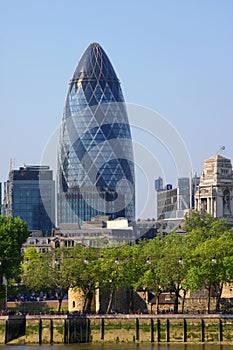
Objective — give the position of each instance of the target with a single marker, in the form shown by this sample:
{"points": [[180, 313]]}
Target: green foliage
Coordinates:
{"points": [[202, 226], [210, 242], [118, 267], [172, 263], [212, 264], [47, 271], [150, 255], [13, 233], [37, 274]]}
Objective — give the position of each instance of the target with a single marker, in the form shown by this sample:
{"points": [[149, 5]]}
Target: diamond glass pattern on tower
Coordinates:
{"points": [[95, 153]]}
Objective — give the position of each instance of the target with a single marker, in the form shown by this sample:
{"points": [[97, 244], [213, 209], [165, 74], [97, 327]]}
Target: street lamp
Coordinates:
{"points": [[156, 288], [86, 261], [180, 261], [214, 260], [117, 262], [113, 287]]}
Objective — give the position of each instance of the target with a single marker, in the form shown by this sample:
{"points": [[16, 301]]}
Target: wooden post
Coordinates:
{"points": [[86, 335], [202, 330], [87, 325], [6, 331], [220, 330], [152, 330], [65, 331], [102, 329], [51, 331], [158, 330], [40, 331], [81, 326], [137, 328], [75, 324], [168, 330], [185, 331], [71, 330]]}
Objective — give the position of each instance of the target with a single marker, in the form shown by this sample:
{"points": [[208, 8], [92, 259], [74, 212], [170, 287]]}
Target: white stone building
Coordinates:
{"points": [[214, 194]]}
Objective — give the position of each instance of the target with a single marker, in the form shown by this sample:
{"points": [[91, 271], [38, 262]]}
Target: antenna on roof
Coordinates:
{"points": [[222, 148], [12, 164]]}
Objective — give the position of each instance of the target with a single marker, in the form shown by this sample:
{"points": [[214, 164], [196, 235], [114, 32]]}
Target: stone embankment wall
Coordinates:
{"points": [[120, 328]]}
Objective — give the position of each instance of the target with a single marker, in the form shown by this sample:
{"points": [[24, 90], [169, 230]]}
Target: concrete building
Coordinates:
{"points": [[172, 202], [214, 194], [30, 194], [97, 232], [167, 203], [36, 240]]}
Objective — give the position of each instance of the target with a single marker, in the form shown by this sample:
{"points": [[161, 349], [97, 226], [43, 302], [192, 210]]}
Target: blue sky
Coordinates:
{"points": [[173, 57]]}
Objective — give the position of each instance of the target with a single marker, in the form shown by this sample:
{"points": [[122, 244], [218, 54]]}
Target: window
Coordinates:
{"points": [[224, 171]]}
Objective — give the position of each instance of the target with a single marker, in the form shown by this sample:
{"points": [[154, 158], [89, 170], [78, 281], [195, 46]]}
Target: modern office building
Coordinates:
{"points": [[166, 202], [159, 184], [215, 191], [172, 203], [95, 154], [30, 194]]}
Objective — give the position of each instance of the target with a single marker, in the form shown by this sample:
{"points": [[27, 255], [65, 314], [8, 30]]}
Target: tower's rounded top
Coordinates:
{"points": [[94, 64]]}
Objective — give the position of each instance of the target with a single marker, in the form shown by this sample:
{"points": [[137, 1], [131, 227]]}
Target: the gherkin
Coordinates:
{"points": [[95, 153]]}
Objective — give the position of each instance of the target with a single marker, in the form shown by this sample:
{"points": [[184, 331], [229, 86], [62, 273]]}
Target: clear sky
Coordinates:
{"points": [[174, 57]]}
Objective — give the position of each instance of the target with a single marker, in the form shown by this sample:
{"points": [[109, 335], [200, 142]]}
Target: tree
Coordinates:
{"points": [[111, 272], [148, 278], [61, 269], [210, 242], [172, 267], [13, 233], [35, 269], [199, 227], [212, 266], [47, 271], [132, 262], [118, 268], [82, 272]]}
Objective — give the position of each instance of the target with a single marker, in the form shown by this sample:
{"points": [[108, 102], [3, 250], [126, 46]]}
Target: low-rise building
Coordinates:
{"points": [[36, 240], [97, 232]]}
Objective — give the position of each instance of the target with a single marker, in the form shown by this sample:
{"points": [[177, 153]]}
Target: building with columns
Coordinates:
{"points": [[214, 194]]}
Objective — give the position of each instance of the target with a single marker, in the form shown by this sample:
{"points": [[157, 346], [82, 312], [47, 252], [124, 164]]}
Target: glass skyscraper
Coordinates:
{"points": [[30, 194], [95, 153]]}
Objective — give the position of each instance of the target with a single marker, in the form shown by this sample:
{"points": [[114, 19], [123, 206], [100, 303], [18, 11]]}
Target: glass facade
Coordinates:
{"points": [[30, 194], [95, 154]]}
